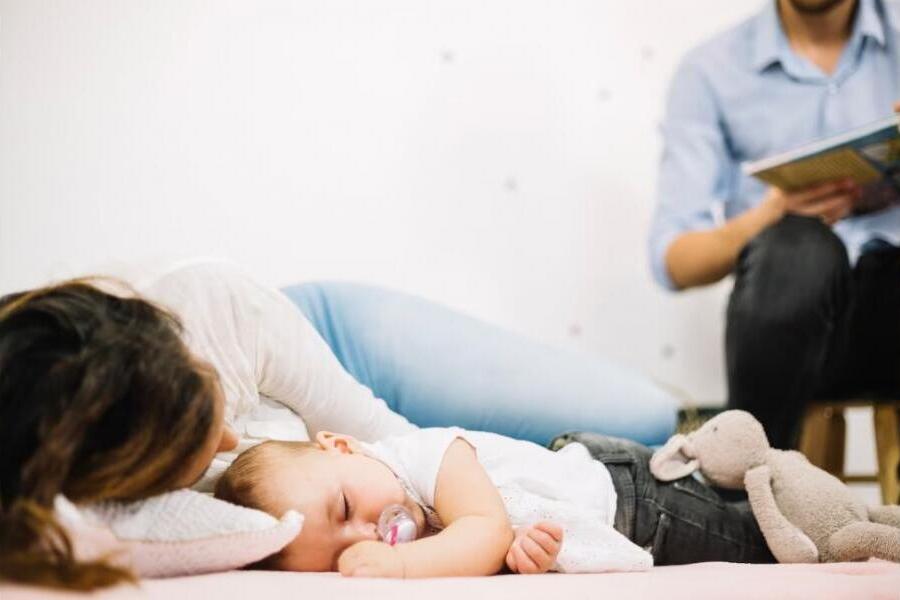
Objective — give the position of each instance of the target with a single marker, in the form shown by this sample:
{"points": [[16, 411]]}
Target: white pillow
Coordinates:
{"points": [[178, 533]]}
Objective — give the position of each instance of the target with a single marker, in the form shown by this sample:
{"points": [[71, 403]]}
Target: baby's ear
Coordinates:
{"points": [[345, 444]]}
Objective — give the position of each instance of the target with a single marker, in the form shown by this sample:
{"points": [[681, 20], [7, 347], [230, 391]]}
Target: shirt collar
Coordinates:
{"points": [[870, 21], [770, 41], [767, 33]]}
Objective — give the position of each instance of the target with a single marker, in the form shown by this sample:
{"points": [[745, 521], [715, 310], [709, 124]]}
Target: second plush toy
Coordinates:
{"points": [[805, 514]]}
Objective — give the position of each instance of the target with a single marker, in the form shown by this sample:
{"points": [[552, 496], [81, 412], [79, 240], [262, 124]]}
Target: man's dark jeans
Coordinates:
{"points": [[682, 521], [803, 325]]}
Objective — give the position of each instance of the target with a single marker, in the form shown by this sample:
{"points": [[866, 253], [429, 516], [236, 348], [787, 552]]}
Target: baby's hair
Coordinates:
{"points": [[240, 483]]}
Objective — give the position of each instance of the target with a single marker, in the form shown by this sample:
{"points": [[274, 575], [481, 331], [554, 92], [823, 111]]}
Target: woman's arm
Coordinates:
{"points": [[260, 343], [474, 542], [296, 367]]}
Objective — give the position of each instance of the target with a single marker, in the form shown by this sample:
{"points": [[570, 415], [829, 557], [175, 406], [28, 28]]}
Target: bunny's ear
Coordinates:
{"points": [[674, 461]]}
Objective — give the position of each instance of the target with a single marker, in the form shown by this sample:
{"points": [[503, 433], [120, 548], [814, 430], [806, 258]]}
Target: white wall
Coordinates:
{"points": [[498, 156]]}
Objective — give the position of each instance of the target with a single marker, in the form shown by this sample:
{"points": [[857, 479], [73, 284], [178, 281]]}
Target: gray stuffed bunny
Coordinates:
{"points": [[805, 514]]}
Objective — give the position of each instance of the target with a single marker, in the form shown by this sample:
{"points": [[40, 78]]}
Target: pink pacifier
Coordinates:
{"points": [[396, 525]]}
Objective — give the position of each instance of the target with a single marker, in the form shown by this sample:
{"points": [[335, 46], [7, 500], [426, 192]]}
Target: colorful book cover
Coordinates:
{"points": [[870, 155]]}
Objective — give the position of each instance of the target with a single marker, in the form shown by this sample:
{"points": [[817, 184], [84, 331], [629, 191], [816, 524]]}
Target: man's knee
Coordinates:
{"points": [[798, 247], [793, 267]]}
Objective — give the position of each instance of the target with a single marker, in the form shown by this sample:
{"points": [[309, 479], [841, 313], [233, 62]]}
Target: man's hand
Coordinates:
{"points": [[535, 548], [370, 559], [830, 202]]}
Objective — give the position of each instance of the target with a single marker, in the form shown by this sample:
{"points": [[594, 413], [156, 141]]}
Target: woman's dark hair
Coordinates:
{"points": [[99, 400]]}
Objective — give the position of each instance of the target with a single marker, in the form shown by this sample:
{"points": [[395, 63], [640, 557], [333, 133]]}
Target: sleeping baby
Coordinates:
{"points": [[478, 502]]}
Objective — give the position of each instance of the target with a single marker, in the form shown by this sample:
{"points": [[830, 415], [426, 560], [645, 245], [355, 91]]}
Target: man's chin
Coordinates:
{"points": [[815, 7]]}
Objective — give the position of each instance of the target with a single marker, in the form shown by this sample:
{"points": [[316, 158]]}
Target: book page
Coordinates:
{"points": [[840, 164]]}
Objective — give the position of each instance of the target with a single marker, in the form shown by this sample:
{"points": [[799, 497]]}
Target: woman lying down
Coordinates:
{"points": [[469, 503]]}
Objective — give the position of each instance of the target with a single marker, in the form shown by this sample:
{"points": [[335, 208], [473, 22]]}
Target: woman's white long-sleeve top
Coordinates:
{"points": [[280, 378]]}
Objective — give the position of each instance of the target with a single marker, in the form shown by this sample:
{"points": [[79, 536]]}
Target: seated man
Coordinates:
{"points": [[815, 309]]}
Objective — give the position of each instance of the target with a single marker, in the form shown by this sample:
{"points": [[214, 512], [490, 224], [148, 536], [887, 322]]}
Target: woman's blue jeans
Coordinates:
{"points": [[438, 367]]}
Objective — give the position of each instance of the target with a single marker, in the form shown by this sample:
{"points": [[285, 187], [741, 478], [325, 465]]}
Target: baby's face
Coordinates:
{"points": [[341, 496]]}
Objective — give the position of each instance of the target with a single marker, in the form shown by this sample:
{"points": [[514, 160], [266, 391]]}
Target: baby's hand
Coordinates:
{"points": [[370, 559], [535, 548]]}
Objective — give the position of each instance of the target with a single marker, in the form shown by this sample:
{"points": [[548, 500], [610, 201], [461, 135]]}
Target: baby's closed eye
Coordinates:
{"points": [[346, 506]]}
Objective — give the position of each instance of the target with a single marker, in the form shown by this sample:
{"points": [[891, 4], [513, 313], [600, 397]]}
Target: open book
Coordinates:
{"points": [[870, 155]]}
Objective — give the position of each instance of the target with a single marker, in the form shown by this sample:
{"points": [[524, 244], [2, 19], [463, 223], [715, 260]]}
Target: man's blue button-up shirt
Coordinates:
{"points": [[745, 95]]}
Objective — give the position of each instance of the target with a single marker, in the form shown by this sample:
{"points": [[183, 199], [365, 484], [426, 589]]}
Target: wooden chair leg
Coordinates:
{"points": [[836, 443], [887, 442], [813, 438], [823, 436]]}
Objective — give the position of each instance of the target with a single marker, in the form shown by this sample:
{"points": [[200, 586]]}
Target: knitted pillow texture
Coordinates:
{"points": [[178, 533]]}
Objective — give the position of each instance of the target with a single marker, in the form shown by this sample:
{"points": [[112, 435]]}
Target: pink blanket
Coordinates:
{"points": [[713, 581]]}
